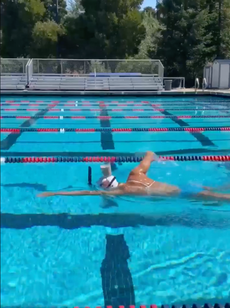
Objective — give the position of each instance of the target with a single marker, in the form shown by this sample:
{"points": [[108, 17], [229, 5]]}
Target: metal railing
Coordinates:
{"points": [[197, 84], [29, 71], [204, 84], [79, 67], [12, 66]]}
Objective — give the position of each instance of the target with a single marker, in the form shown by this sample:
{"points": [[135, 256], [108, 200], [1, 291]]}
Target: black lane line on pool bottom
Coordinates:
{"points": [[107, 142], [12, 138], [198, 151], [117, 283], [204, 140], [71, 222]]}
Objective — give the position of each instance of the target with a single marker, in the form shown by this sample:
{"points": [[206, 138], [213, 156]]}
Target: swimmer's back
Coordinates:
{"points": [[154, 188]]}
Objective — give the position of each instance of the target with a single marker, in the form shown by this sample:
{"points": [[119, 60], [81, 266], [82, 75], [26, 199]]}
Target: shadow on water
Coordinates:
{"points": [[38, 187], [219, 220], [117, 283]]}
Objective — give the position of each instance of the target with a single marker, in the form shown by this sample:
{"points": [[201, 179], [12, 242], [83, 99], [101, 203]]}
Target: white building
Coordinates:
{"points": [[217, 74]]}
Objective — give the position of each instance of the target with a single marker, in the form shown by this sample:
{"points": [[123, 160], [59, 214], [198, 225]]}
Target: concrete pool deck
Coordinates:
{"points": [[173, 92]]}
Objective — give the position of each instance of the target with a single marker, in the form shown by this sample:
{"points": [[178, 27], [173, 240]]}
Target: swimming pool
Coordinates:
{"points": [[68, 251]]}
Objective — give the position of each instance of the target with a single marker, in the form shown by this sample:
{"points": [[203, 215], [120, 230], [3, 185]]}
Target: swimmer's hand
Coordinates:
{"points": [[151, 155]]}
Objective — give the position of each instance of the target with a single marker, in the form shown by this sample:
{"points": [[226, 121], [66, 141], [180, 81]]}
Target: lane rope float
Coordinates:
{"points": [[227, 305], [114, 110], [116, 117], [93, 130], [97, 159], [172, 102], [127, 104]]}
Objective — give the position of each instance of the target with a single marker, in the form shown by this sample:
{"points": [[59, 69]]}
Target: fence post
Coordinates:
{"points": [[27, 72]]}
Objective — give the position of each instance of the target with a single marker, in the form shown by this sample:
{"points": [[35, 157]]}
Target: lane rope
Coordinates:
{"points": [[116, 117], [93, 130], [115, 110], [217, 305], [97, 159], [227, 305], [161, 104], [225, 101]]}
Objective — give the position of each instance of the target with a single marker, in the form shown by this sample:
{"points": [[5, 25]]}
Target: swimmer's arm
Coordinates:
{"points": [[221, 188], [82, 193]]}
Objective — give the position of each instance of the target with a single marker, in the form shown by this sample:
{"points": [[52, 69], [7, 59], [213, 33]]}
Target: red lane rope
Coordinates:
{"points": [[103, 105], [107, 104], [92, 130], [117, 110], [97, 159], [85, 105], [226, 101], [118, 117], [227, 305]]}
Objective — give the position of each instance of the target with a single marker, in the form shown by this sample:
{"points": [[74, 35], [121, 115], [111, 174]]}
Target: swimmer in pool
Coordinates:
{"points": [[139, 184]]}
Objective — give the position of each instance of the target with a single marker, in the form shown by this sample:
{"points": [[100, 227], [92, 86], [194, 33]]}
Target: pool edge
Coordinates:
{"points": [[182, 92]]}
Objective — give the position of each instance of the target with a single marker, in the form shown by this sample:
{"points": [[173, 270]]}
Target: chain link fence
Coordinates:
{"points": [[13, 66], [87, 66]]}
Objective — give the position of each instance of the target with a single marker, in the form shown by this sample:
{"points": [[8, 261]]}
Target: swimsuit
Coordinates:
{"points": [[146, 186], [187, 191]]}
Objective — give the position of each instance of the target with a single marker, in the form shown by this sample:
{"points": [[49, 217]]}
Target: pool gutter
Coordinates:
{"points": [[178, 92]]}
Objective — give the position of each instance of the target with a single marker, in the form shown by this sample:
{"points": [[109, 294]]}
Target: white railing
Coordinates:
{"points": [[197, 84], [79, 67], [13, 66], [29, 71], [204, 84]]}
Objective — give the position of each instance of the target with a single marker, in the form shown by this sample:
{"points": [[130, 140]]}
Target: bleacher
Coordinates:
{"points": [[13, 82], [65, 83], [81, 75]]}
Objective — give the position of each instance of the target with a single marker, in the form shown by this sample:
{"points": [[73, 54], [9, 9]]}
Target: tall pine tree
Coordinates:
{"points": [[186, 43], [106, 29]]}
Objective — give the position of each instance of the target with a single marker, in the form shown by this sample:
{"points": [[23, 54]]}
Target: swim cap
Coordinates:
{"points": [[108, 182]]}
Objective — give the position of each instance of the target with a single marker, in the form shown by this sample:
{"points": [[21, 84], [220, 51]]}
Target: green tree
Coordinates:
{"points": [[75, 8], [150, 10], [223, 47], [186, 44], [106, 29], [18, 19], [149, 45], [55, 10], [45, 39]]}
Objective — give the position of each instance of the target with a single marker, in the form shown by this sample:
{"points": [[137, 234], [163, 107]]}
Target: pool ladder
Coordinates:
{"points": [[197, 84], [204, 84]]}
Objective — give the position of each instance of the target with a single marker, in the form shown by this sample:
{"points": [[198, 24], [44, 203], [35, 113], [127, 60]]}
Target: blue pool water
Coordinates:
{"points": [[68, 251]]}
